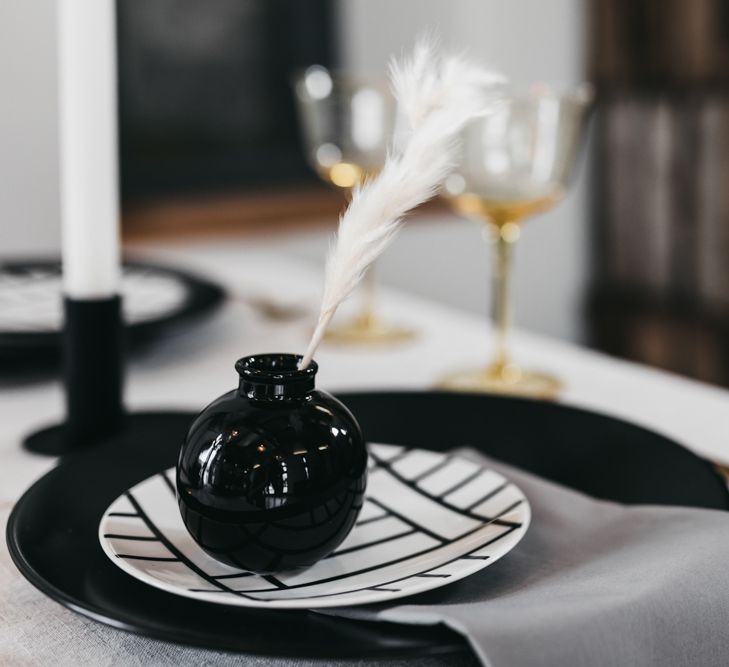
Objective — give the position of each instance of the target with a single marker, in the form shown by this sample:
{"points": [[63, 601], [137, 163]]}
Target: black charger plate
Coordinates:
{"points": [[52, 531], [31, 344]]}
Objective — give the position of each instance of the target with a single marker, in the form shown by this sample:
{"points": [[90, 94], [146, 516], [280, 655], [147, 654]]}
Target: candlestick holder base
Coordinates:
{"points": [[50, 441], [139, 426]]}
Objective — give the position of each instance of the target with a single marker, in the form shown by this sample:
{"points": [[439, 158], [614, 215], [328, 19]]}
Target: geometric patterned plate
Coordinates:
{"points": [[155, 300], [31, 299], [429, 519]]}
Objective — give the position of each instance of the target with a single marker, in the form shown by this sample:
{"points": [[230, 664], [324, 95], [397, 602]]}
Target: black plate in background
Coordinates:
{"points": [[52, 531], [30, 350], [599, 455]]}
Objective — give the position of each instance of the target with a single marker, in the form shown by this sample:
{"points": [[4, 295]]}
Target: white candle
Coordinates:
{"points": [[88, 148]]}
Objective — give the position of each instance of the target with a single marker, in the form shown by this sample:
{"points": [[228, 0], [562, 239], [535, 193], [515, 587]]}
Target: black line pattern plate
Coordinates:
{"points": [[429, 519], [30, 296]]}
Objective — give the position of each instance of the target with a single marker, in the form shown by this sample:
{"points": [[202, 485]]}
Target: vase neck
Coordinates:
{"points": [[275, 377]]}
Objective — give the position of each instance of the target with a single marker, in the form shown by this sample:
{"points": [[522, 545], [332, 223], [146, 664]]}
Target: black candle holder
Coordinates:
{"points": [[92, 378], [93, 373]]}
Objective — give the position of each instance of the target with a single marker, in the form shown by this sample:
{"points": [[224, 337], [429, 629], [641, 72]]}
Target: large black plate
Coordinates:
{"points": [[52, 531], [22, 350]]}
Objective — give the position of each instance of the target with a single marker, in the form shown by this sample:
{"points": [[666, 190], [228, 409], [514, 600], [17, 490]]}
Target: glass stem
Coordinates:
{"points": [[501, 281], [369, 288]]}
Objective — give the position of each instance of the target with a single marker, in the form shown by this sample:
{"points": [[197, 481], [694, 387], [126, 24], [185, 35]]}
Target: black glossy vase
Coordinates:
{"points": [[272, 475]]}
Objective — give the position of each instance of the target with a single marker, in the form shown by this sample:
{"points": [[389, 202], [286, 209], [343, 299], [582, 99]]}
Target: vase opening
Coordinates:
{"points": [[275, 376]]}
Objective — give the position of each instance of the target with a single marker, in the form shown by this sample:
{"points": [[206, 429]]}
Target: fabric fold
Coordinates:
{"points": [[592, 583]]}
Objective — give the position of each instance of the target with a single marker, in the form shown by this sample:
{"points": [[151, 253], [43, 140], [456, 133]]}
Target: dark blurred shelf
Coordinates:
{"points": [[659, 43], [271, 211], [660, 201], [675, 333], [260, 212]]}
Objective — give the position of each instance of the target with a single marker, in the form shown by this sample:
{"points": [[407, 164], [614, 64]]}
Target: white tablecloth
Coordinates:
{"points": [[195, 366]]}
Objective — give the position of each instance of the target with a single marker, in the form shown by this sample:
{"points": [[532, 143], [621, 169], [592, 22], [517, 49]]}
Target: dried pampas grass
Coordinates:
{"points": [[436, 96]]}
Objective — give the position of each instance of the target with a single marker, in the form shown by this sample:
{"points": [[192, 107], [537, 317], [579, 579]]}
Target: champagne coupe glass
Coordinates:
{"points": [[517, 160], [346, 127]]}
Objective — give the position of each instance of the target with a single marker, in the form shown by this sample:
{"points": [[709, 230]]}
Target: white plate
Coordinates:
{"points": [[30, 300], [429, 519]]}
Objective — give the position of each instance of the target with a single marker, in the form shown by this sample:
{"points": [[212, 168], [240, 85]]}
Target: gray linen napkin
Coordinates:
{"points": [[591, 583]]}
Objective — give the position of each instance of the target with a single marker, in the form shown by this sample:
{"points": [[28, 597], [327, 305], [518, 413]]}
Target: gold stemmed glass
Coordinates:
{"points": [[347, 126], [517, 160]]}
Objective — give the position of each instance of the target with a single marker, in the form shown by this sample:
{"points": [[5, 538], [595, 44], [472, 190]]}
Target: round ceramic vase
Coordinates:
{"points": [[272, 475]]}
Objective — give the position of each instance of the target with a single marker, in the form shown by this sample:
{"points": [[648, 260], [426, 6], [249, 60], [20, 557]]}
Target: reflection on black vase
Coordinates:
{"points": [[272, 475]]}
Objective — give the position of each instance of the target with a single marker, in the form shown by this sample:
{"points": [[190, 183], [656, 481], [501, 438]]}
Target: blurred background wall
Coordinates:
{"points": [[441, 257], [29, 216]]}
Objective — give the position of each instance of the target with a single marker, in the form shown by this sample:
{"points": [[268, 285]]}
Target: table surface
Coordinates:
{"points": [[196, 365]]}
